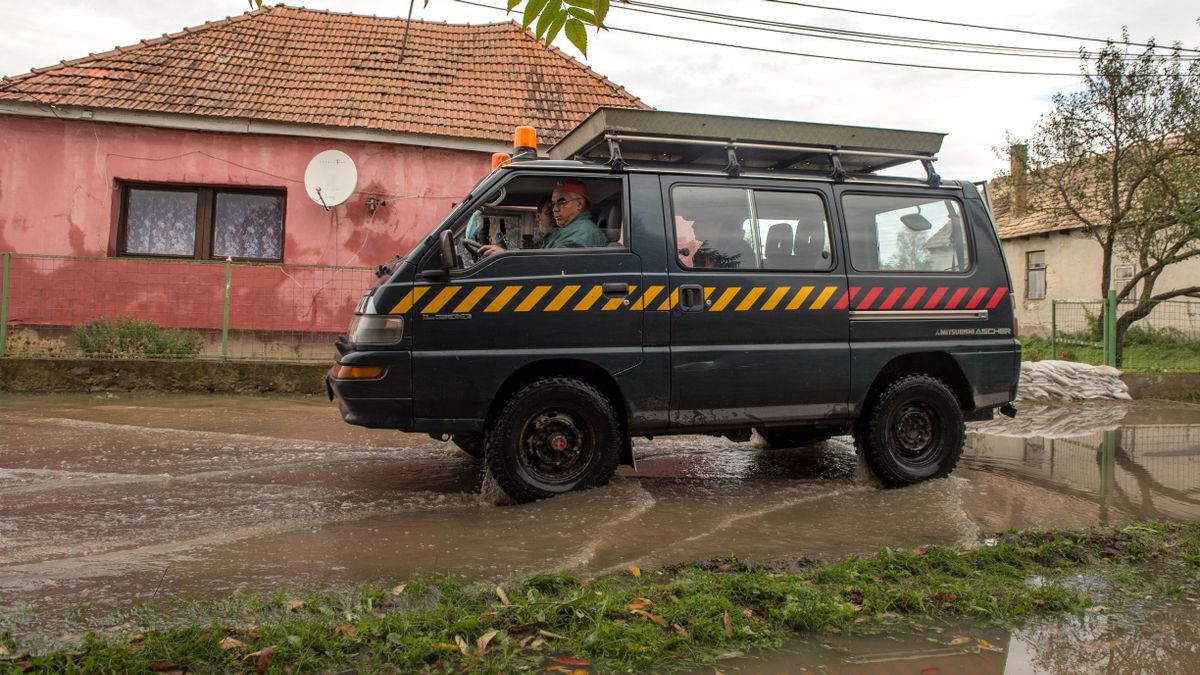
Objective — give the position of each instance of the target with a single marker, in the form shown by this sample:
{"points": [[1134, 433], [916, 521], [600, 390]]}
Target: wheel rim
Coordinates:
{"points": [[555, 448], [914, 431]]}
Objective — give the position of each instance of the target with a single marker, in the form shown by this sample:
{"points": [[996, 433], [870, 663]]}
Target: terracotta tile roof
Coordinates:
{"points": [[294, 65], [1009, 225]]}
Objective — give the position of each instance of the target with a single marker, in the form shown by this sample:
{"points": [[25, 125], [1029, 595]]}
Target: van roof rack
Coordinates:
{"points": [[619, 136]]}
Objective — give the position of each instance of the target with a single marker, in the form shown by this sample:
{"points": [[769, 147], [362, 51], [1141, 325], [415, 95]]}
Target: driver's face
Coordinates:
{"points": [[567, 205]]}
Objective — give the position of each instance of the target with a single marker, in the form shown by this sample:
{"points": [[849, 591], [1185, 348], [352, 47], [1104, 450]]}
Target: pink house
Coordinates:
{"points": [[129, 178]]}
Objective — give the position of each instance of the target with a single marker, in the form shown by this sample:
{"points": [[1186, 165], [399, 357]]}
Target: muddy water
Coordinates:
{"points": [[118, 500]]}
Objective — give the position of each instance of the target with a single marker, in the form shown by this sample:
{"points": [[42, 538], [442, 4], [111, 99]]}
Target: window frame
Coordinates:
{"points": [[968, 235], [205, 227], [1030, 269], [748, 191]]}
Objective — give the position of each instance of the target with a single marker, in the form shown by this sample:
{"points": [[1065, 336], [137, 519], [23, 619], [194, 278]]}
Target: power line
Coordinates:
{"points": [[819, 32], [966, 25], [767, 50]]}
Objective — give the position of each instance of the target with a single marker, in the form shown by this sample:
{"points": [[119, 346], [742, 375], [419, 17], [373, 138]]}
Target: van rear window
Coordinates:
{"points": [[897, 233]]}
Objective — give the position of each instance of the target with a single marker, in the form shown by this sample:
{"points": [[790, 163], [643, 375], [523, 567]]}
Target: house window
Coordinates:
{"points": [[1035, 275], [1122, 275], [201, 222]]}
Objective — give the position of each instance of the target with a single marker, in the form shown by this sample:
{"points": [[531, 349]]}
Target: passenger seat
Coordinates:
{"points": [[607, 215], [777, 253]]}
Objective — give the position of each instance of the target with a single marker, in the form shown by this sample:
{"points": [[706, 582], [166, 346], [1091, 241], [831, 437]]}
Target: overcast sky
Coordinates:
{"points": [[974, 109]]}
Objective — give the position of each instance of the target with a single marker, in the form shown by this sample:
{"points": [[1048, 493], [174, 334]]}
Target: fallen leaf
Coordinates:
{"points": [[889, 615], [920, 551], [502, 595], [639, 603], [984, 644], [558, 669], [537, 644], [960, 641], [160, 666], [861, 619], [731, 655], [674, 600], [462, 645], [346, 629], [555, 636], [264, 657], [748, 613], [579, 671], [526, 640], [486, 639], [295, 605], [635, 571], [230, 643], [650, 616], [255, 632], [572, 661], [1039, 602], [399, 589], [728, 624], [445, 647], [137, 637], [681, 631]]}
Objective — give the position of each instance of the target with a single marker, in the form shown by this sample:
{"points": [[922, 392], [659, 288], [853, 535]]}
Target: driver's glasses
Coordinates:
{"points": [[559, 203]]}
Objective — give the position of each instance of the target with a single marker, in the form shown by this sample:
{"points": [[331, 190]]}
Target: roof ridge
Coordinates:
{"points": [[386, 18]]}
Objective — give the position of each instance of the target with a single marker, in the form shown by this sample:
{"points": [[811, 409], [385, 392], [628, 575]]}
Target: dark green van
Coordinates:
{"points": [[752, 275]]}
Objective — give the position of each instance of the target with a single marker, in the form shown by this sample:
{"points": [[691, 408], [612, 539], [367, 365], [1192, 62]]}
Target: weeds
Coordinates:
{"points": [[123, 337], [670, 617]]}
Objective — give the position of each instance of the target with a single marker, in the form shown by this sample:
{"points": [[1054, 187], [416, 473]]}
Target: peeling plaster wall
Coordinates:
{"points": [[58, 184]]}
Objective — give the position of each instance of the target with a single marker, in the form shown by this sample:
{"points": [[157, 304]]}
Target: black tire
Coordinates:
{"points": [[470, 443], [913, 431], [553, 436], [792, 437]]}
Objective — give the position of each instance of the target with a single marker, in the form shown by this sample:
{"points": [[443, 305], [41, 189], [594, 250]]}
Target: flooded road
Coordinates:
{"points": [[126, 499]]}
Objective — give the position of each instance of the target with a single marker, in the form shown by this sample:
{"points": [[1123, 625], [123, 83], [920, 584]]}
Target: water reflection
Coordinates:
{"points": [[1129, 470]]}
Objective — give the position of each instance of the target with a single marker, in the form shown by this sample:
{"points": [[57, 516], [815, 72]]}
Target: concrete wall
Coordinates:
{"points": [[1073, 272]]}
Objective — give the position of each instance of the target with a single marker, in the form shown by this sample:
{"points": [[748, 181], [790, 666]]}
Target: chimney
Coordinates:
{"points": [[1018, 160]]}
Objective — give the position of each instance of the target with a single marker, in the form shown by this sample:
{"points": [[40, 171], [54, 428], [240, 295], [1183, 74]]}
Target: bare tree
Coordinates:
{"points": [[1121, 158]]}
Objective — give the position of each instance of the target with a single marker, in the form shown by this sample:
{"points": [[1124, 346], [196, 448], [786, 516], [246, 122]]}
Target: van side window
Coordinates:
{"points": [[739, 228], [894, 233]]}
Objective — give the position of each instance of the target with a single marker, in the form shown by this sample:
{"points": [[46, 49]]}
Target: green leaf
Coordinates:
{"points": [[583, 15], [511, 4], [601, 11], [532, 9], [585, 4], [555, 27], [577, 34], [549, 13]]}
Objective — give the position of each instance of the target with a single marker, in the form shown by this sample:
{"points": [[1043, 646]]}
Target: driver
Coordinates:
{"points": [[569, 204]]}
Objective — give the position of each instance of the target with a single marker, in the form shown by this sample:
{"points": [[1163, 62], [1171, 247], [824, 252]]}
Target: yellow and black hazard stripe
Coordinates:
{"points": [[489, 299]]}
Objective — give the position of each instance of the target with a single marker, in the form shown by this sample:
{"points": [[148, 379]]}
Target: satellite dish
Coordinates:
{"points": [[330, 178]]}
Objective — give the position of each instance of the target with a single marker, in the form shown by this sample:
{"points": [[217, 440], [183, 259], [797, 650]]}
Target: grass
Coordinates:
{"points": [[1138, 356], [635, 621]]}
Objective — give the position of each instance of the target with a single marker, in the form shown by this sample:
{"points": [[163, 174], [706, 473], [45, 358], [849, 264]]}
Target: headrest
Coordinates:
{"points": [[779, 239]]}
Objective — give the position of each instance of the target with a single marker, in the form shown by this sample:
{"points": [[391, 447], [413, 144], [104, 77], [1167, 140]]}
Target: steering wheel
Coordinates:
{"points": [[472, 246]]}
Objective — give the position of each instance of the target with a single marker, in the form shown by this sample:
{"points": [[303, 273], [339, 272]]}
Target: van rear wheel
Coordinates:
{"points": [[553, 436], [913, 432]]}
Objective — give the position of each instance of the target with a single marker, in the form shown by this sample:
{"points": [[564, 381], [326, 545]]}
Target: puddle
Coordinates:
{"points": [[118, 501], [1152, 640]]}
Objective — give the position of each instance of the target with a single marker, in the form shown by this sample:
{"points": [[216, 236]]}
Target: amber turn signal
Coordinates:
{"points": [[499, 159], [525, 137], [358, 372]]}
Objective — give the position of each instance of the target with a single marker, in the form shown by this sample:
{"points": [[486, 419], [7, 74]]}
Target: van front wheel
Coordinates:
{"points": [[913, 432], [552, 436]]}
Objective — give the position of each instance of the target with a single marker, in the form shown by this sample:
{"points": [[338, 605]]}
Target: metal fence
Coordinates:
{"points": [[1168, 339], [57, 306]]}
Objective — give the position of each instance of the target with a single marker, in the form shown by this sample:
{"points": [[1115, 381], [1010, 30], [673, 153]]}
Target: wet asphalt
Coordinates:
{"points": [[112, 500]]}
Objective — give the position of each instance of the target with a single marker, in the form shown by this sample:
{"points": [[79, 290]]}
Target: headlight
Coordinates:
{"points": [[371, 330]]}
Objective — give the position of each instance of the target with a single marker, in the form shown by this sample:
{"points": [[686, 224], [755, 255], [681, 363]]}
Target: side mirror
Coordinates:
{"points": [[450, 259], [916, 222]]}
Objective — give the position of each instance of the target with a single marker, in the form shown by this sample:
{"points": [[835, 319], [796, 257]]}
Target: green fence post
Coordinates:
{"points": [[1110, 329], [225, 318], [1054, 330], [4, 305]]}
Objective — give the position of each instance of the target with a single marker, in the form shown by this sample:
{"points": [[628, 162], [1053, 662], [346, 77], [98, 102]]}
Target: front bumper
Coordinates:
{"points": [[381, 403]]}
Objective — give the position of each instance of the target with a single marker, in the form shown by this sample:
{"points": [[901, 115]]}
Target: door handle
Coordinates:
{"points": [[691, 298], [616, 288]]}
